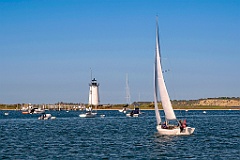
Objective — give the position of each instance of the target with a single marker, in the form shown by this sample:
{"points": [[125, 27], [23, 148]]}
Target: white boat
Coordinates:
{"points": [[26, 110], [171, 126], [88, 114], [6, 113], [124, 109], [46, 117], [134, 113], [31, 110], [131, 114], [38, 111]]}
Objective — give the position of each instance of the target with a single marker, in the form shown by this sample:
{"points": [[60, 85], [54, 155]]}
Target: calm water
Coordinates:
{"points": [[217, 136]]}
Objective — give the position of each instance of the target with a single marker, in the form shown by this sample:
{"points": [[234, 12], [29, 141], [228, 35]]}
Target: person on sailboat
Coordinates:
{"points": [[164, 125], [180, 125], [183, 124]]}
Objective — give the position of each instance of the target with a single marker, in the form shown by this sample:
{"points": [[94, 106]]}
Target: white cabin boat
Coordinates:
{"points": [[38, 111], [134, 113], [88, 114]]}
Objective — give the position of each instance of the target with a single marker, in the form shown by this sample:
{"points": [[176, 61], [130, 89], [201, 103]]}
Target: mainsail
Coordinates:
{"points": [[159, 81], [155, 97]]}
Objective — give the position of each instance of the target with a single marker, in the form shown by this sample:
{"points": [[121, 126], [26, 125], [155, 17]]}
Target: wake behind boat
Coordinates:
{"points": [[166, 128]]}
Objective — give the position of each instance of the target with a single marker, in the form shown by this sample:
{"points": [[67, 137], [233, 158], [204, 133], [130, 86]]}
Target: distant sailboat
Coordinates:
{"points": [[128, 101], [175, 127]]}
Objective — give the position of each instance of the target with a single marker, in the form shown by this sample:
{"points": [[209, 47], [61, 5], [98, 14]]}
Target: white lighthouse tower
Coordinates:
{"points": [[94, 93]]}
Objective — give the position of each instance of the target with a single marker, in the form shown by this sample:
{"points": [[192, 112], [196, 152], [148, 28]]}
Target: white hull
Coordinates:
{"points": [[88, 115], [38, 111], [134, 115], [46, 117], [175, 131]]}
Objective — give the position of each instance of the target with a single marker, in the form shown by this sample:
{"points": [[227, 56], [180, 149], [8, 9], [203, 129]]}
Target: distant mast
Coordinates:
{"points": [[94, 93], [128, 97]]}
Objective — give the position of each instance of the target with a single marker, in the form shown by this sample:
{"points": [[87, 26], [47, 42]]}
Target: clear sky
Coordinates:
{"points": [[47, 48]]}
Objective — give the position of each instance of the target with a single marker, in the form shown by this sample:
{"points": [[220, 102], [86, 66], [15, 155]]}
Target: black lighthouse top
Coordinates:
{"points": [[94, 82]]}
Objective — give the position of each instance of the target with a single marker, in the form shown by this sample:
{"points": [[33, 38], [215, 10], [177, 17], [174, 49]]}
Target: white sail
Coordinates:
{"points": [[155, 97], [167, 106]]}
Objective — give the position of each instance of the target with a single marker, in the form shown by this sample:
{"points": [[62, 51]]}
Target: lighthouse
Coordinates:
{"points": [[93, 93]]}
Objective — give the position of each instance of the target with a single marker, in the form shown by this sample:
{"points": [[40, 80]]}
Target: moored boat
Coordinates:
{"points": [[46, 117]]}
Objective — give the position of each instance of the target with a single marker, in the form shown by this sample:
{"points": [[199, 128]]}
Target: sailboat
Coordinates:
{"points": [[125, 107], [171, 126]]}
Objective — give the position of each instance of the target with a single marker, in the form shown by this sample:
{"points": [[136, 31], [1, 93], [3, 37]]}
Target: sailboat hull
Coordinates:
{"points": [[87, 115], [175, 131]]}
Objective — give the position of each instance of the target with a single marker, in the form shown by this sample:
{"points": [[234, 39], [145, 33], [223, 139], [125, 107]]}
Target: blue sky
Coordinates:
{"points": [[48, 47]]}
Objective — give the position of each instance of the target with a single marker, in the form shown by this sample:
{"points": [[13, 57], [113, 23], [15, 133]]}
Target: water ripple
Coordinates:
{"points": [[117, 137]]}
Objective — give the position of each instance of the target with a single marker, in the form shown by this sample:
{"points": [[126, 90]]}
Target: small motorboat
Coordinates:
{"points": [[46, 117], [134, 113], [88, 114], [37, 111]]}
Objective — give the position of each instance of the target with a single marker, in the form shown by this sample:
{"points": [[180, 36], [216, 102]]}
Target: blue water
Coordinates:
{"points": [[217, 136]]}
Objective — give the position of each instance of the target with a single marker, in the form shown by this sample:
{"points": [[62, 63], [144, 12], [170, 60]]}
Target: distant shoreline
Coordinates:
{"points": [[220, 103]]}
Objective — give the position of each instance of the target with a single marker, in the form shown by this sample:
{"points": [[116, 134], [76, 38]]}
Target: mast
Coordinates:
{"points": [[158, 118], [128, 97]]}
